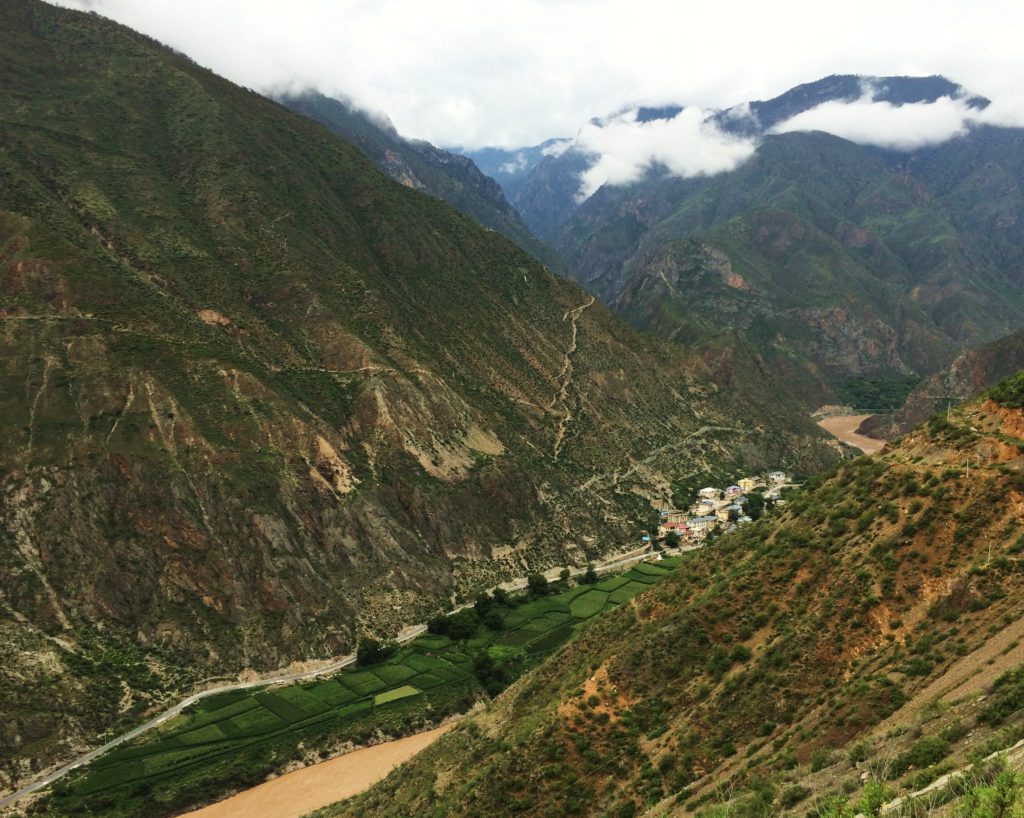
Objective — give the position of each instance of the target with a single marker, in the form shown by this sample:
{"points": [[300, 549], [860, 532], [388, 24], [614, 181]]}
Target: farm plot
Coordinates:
{"points": [[589, 604], [244, 735]]}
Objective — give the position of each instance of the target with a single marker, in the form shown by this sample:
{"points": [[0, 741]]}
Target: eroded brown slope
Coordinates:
{"points": [[763, 672]]}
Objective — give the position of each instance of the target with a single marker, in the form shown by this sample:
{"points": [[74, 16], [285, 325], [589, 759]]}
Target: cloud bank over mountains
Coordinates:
{"points": [[688, 144], [869, 121], [693, 142], [461, 72]]}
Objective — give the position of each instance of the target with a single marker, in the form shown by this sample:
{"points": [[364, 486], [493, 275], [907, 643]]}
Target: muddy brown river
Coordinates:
{"points": [[297, 793]]}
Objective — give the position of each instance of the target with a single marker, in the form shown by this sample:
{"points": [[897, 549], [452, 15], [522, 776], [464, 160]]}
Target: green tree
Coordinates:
{"points": [[498, 666], [372, 651], [672, 539], [494, 620], [590, 575], [537, 584], [483, 603]]}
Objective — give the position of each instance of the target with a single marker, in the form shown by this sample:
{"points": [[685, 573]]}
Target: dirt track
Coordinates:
{"points": [[303, 791], [845, 428]]}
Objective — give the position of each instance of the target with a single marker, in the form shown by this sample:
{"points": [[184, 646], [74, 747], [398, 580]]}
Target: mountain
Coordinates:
{"points": [[530, 189], [854, 269], [418, 164], [257, 397], [971, 373], [853, 647], [510, 168], [761, 116]]}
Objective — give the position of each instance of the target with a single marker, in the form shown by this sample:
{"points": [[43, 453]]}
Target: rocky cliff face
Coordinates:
{"points": [[256, 396], [971, 373]]}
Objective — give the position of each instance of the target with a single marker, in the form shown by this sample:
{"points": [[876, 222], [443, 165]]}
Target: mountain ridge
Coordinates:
{"points": [[260, 398], [418, 164], [845, 261]]}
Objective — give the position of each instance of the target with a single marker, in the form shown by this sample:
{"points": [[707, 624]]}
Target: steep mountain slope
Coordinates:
{"points": [[838, 262], [256, 395], [848, 639], [970, 374], [420, 165]]}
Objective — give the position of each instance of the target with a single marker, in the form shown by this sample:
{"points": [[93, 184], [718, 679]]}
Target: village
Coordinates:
{"points": [[723, 509]]}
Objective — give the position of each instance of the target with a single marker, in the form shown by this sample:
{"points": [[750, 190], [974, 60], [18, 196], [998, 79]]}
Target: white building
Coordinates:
{"points": [[702, 525]]}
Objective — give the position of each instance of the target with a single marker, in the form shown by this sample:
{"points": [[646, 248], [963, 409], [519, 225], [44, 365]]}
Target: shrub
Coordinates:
{"points": [[371, 651]]}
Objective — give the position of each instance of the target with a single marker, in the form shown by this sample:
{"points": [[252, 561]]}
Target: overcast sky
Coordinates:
{"points": [[477, 72]]}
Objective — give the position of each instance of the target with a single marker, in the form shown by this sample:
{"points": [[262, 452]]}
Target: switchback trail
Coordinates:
{"points": [[565, 376]]}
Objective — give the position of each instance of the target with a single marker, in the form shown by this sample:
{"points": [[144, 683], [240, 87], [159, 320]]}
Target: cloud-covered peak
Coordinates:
{"points": [[894, 113], [626, 147]]}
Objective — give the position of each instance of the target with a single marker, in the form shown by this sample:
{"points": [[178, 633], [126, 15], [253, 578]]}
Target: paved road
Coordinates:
{"points": [[405, 636]]}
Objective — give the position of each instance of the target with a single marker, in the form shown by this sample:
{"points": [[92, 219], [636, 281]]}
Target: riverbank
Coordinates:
{"points": [[298, 793], [844, 427]]}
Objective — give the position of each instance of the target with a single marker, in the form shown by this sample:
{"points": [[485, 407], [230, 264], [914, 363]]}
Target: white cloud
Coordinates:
{"points": [[686, 145], [868, 121], [557, 147], [514, 165], [516, 73]]}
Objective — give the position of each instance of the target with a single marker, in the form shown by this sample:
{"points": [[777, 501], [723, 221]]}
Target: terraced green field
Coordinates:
{"points": [[235, 739]]}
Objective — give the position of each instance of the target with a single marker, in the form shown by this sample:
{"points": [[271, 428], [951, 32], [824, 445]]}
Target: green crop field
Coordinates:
{"points": [[235, 739], [589, 604], [396, 694]]}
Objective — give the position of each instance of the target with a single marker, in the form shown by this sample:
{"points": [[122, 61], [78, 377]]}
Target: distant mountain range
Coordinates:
{"points": [[832, 261]]}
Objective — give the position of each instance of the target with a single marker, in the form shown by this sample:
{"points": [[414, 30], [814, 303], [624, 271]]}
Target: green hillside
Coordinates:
{"points": [[850, 270], [258, 397], [851, 650], [420, 165], [818, 250]]}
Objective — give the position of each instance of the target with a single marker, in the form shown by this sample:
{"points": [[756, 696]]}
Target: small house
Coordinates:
{"points": [[709, 493], [777, 478], [748, 483], [731, 510], [701, 525]]}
